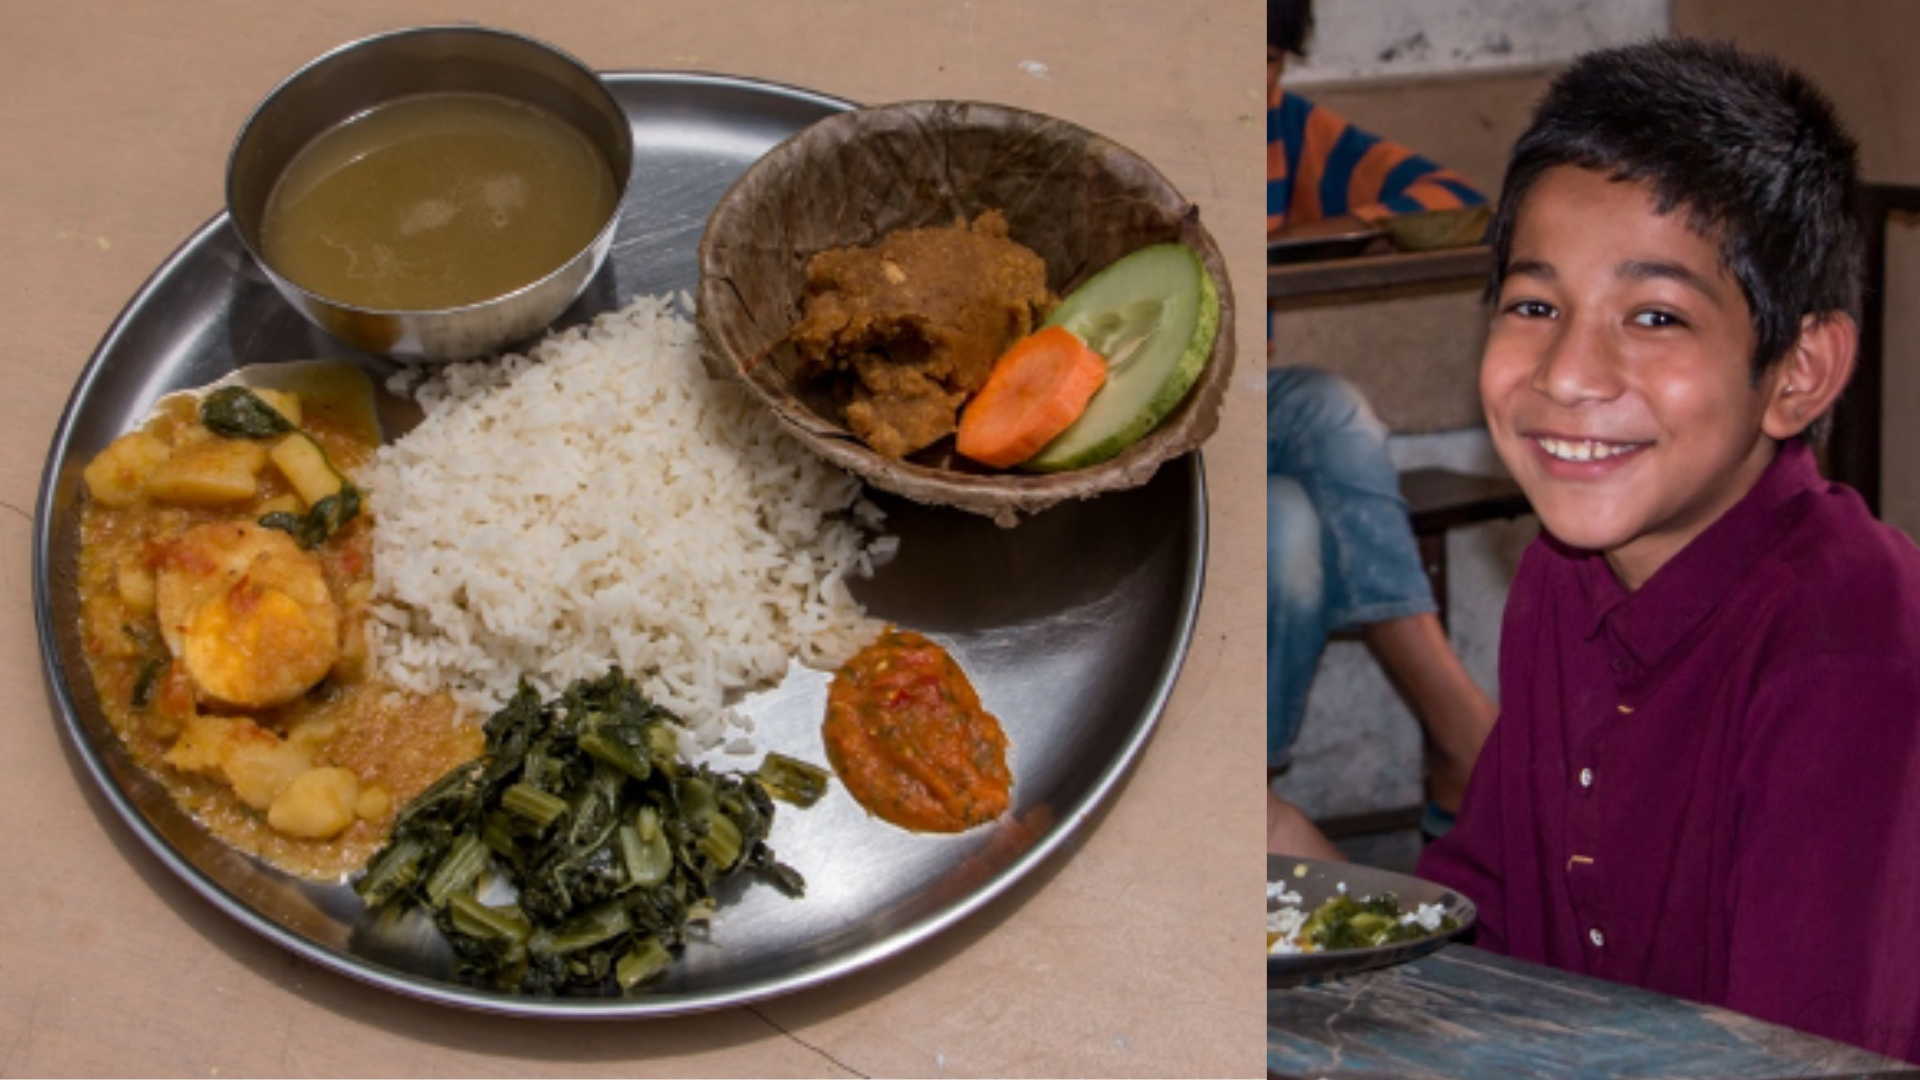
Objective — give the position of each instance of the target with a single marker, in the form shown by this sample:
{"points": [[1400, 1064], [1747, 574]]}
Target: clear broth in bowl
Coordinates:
{"points": [[436, 201]]}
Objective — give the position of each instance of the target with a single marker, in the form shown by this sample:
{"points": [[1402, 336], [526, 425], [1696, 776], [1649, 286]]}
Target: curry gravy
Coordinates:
{"points": [[394, 743]]}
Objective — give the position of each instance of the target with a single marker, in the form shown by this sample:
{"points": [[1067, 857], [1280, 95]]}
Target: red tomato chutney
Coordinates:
{"points": [[907, 735]]}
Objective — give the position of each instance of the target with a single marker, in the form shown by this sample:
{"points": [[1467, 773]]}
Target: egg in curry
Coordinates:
{"points": [[225, 574]]}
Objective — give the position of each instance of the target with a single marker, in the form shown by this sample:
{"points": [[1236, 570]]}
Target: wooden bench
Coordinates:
{"points": [[1441, 500]]}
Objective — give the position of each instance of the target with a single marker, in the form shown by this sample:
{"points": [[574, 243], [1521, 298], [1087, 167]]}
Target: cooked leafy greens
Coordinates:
{"points": [[791, 780], [235, 412], [1346, 923], [321, 520], [145, 682], [614, 844]]}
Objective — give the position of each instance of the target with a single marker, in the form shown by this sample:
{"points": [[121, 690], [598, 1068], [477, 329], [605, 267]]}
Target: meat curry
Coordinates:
{"points": [[905, 331]]}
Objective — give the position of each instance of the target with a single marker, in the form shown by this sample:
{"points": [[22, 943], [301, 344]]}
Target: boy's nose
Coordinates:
{"points": [[1579, 364]]}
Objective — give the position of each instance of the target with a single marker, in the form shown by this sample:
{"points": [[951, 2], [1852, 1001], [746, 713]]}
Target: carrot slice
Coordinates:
{"points": [[1036, 390]]}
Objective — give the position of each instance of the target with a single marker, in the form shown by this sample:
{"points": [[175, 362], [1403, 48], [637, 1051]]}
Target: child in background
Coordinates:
{"points": [[1323, 174], [1706, 775], [1340, 550]]}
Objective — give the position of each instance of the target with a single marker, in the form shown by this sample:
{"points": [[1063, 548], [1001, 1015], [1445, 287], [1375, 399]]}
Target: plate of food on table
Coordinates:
{"points": [[1326, 919], [750, 567]]}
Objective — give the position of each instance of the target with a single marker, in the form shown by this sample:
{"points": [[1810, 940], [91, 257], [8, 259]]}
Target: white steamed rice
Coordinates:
{"points": [[601, 500]]}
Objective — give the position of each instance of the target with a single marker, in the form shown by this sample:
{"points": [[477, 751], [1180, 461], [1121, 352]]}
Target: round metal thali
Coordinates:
{"points": [[1073, 625]]}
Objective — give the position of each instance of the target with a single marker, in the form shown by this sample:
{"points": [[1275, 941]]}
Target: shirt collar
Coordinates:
{"points": [[1649, 622]]}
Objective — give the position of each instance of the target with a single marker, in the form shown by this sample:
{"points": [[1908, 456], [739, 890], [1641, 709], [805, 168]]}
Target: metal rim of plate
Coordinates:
{"points": [[704, 128], [1318, 881]]}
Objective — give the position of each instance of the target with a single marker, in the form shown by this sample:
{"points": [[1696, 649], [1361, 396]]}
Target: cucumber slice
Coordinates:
{"points": [[1153, 314]]}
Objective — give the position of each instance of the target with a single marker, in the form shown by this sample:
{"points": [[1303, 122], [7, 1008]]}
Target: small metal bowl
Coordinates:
{"points": [[361, 75]]}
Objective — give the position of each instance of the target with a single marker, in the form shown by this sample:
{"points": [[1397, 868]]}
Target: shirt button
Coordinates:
{"points": [[1586, 778], [1599, 939]]}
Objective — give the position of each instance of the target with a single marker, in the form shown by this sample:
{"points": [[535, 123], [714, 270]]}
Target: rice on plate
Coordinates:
{"points": [[601, 500]]}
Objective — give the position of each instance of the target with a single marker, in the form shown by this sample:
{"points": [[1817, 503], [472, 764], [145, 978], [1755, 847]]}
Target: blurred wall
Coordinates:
{"points": [[1862, 53], [1389, 38]]}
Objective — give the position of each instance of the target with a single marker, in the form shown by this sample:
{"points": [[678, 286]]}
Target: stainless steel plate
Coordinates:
{"points": [[1317, 882], [1073, 626]]}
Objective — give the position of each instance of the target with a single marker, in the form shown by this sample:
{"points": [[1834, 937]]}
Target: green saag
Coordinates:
{"points": [[613, 844], [1346, 923], [321, 520], [235, 412]]}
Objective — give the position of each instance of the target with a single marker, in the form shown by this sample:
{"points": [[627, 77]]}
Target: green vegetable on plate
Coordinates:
{"points": [[609, 843], [1348, 923], [235, 412]]}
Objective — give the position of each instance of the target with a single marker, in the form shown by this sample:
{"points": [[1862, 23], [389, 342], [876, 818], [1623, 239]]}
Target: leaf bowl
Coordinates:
{"points": [[1077, 199]]}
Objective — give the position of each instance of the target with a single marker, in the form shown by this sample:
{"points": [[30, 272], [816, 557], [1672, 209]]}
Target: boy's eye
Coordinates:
{"points": [[1531, 309], [1657, 319]]}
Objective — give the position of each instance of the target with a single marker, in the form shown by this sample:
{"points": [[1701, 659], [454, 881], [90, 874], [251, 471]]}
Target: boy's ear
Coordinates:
{"points": [[1806, 383]]}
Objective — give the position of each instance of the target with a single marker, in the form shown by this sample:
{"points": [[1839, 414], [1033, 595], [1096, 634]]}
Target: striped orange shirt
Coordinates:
{"points": [[1320, 166]]}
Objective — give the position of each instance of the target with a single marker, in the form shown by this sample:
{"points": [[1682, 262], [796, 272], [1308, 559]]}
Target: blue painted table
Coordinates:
{"points": [[1466, 1014]]}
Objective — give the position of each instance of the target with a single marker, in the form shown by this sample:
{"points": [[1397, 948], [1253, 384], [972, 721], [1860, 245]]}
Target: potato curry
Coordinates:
{"points": [[225, 573]]}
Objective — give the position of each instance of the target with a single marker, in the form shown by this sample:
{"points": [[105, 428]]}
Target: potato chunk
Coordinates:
{"points": [[258, 764], [280, 504], [317, 805], [284, 402], [133, 580], [117, 476], [374, 803], [247, 612], [214, 472], [305, 466]]}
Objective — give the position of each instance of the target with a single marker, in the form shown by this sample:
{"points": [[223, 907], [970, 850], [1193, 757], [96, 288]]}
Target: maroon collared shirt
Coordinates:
{"points": [[1710, 787]]}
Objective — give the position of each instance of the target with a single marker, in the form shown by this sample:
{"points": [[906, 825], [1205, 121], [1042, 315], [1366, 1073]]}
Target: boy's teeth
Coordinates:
{"points": [[1583, 449]]}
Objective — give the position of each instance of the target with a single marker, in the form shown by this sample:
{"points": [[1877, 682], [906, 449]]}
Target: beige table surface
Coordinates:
{"points": [[1130, 953]]}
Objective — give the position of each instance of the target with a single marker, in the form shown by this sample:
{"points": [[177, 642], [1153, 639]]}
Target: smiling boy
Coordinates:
{"points": [[1705, 779]]}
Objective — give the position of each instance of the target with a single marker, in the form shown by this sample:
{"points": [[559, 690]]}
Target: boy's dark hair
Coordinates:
{"points": [[1289, 25], [1751, 150]]}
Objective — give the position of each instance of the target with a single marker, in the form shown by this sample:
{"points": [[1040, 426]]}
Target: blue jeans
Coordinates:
{"points": [[1340, 551]]}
